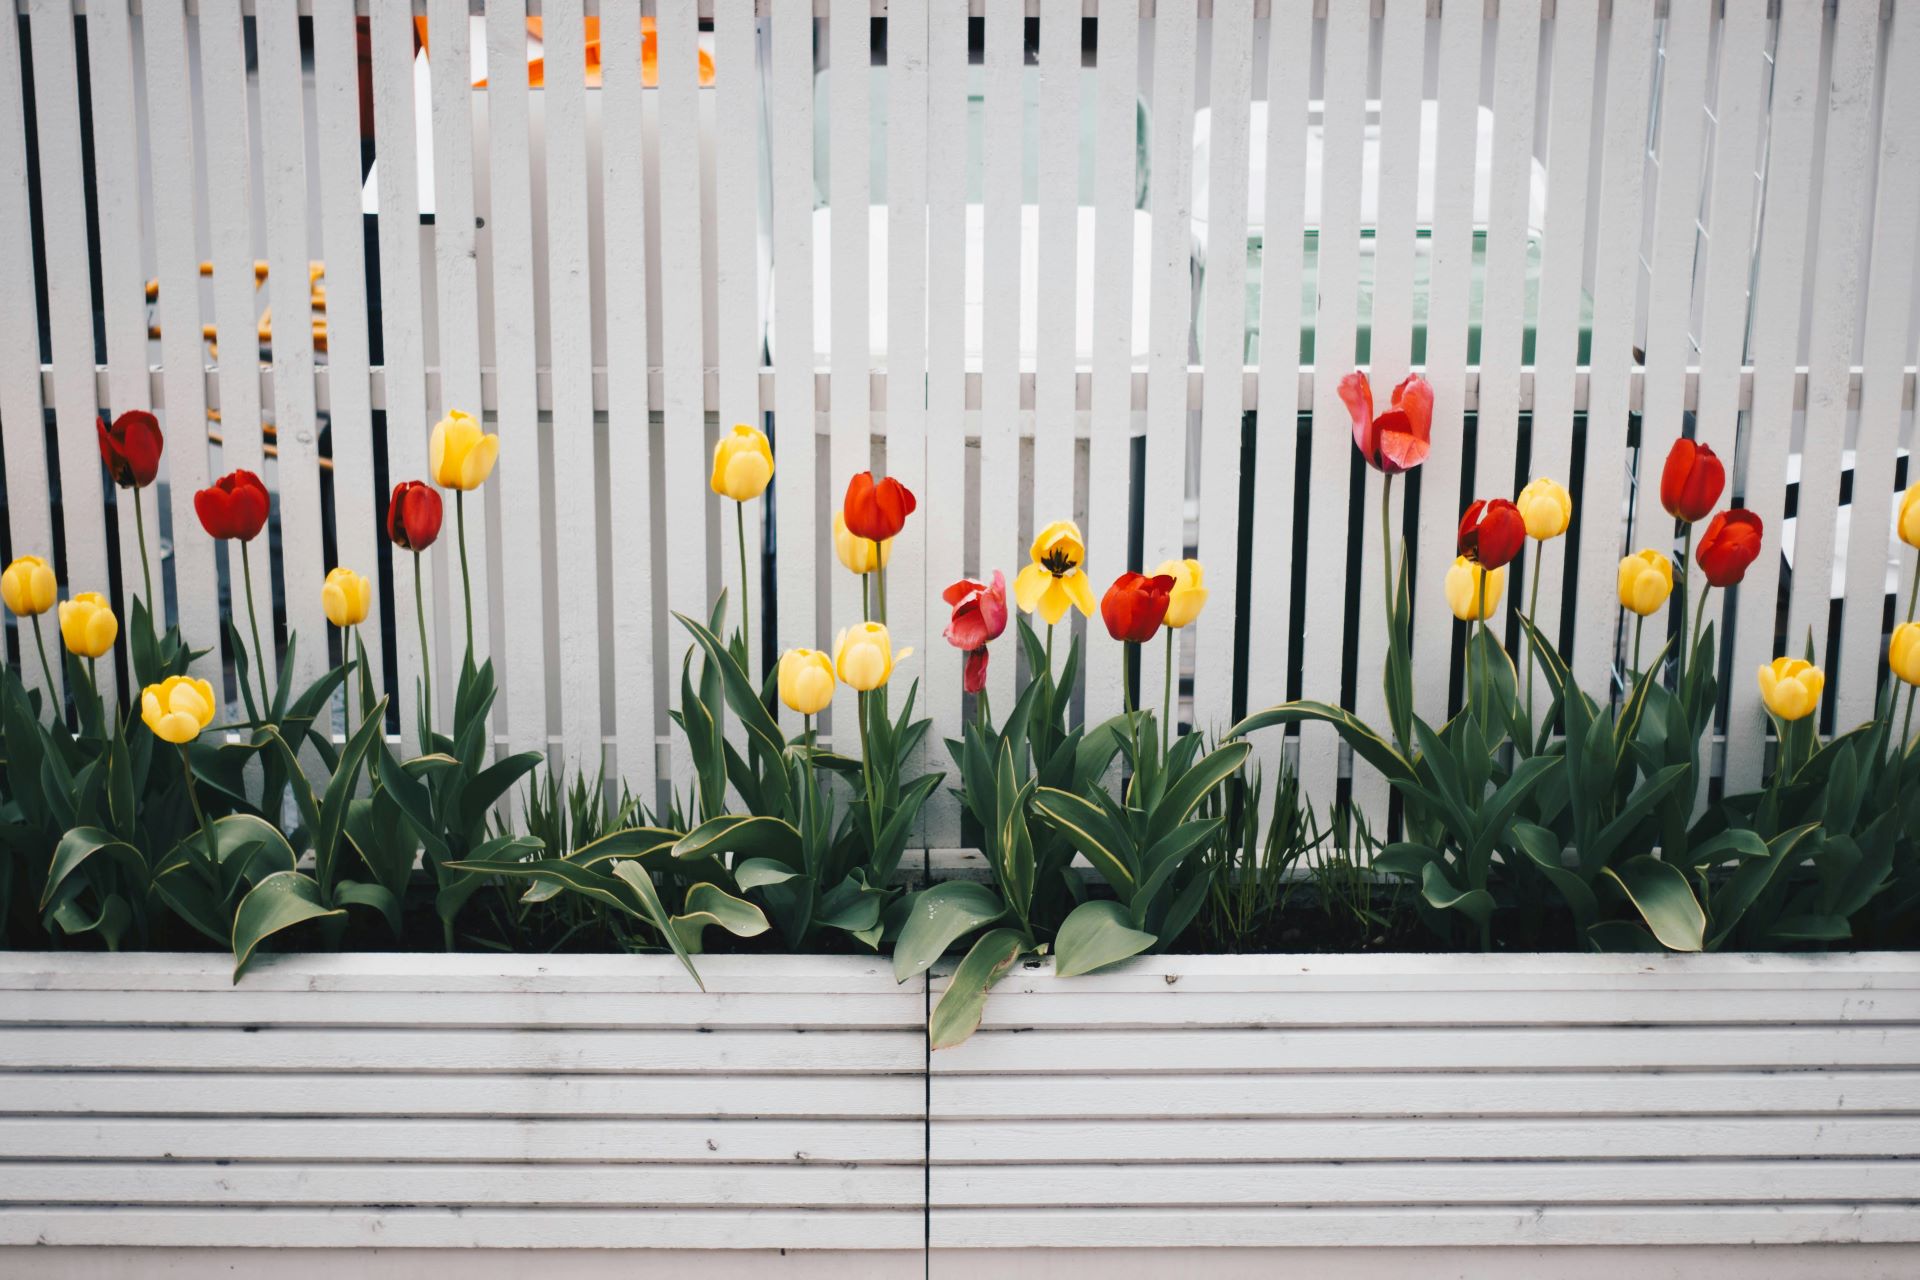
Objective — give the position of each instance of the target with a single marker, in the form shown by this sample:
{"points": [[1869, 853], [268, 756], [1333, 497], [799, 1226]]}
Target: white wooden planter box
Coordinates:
{"points": [[1522, 1115]]}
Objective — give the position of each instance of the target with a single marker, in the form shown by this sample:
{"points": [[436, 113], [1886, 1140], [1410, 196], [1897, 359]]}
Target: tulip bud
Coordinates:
{"points": [[1547, 508], [1135, 606], [1465, 591], [742, 464], [1189, 595], [1646, 580], [459, 454], [806, 681], [87, 625], [877, 509], [1691, 481], [234, 506], [1492, 533], [1909, 522], [1791, 687], [1903, 652], [863, 656], [131, 448], [177, 708], [346, 596], [861, 555], [979, 613], [1397, 440], [1730, 544], [413, 516], [28, 586]]}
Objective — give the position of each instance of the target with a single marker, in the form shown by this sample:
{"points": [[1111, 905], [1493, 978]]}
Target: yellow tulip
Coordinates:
{"points": [[346, 596], [1189, 594], [87, 624], [28, 586], [1547, 508], [177, 708], [806, 681], [1646, 580], [864, 658], [862, 555], [1791, 687], [742, 464], [1463, 587], [1055, 579], [1903, 652], [460, 455], [1910, 515]]}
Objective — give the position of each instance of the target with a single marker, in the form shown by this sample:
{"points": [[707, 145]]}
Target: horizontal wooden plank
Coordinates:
{"points": [[1843, 1223], [1462, 1049], [1425, 1182], [612, 1097], [507, 1141], [433, 971], [1228, 1097], [825, 1186], [468, 1228], [429, 1049], [1150, 1141], [883, 1010]]}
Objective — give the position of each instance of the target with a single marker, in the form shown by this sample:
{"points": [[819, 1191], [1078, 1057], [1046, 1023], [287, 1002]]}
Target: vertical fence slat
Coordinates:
{"points": [[1562, 268], [1276, 455], [795, 492], [1616, 289], [1450, 276], [919, 565], [576, 512], [1792, 113], [737, 263], [1231, 85], [1000, 325], [176, 252], [510, 214], [850, 185], [402, 334], [946, 446], [1110, 443], [1848, 156], [358, 510], [1336, 320], [63, 227], [29, 512], [456, 284], [229, 214], [283, 184], [1163, 488], [1890, 283], [116, 169], [629, 434], [1729, 252], [1057, 141]]}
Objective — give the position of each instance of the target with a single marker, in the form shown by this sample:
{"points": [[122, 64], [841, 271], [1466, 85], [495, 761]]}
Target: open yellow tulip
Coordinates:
{"points": [[806, 681], [1055, 579], [1189, 594], [1791, 687], [864, 658], [742, 464], [177, 708], [460, 455], [1646, 580], [1903, 652], [346, 596], [1546, 507], [861, 555], [87, 625], [1472, 592], [28, 586]]}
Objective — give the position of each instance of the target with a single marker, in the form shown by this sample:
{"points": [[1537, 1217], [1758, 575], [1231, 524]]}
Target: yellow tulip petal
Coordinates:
{"points": [[1029, 585], [478, 464], [1080, 590]]}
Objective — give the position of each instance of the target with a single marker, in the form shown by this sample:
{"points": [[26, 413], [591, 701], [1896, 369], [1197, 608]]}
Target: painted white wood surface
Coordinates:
{"points": [[493, 318]]}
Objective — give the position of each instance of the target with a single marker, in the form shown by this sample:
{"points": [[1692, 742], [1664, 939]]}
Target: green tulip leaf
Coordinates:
{"points": [[957, 1015], [1660, 893], [80, 845], [708, 904], [282, 900], [742, 835], [1097, 934], [937, 918], [756, 873]]}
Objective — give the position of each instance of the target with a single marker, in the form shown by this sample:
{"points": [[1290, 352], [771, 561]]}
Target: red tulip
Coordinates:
{"points": [[1691, 481], [1135, 606], [979, 611], [413, 516], [1395, 441], [973, 675], [1492, 533], [1730, 544], [131, 448], [234, 506], [877, 509]]}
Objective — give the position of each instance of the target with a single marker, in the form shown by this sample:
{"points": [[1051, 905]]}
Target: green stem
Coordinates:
{"points": [[1907, 723], [253, 624], [466, 582], [866, 774], [1640, 622], [1049, 651], [1166, 697], [1386, 547], [426, 661], [1533, 608], [866, 597], [346, 685], [1686, 581], [39, 642], [1476, 697], [746, 609], [1699, 617], [193, 795], [1913, 593], [146, 570], [880, 589]]}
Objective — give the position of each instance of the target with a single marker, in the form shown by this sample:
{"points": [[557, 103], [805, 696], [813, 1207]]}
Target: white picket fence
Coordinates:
{"points": [[1720, 201]]}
